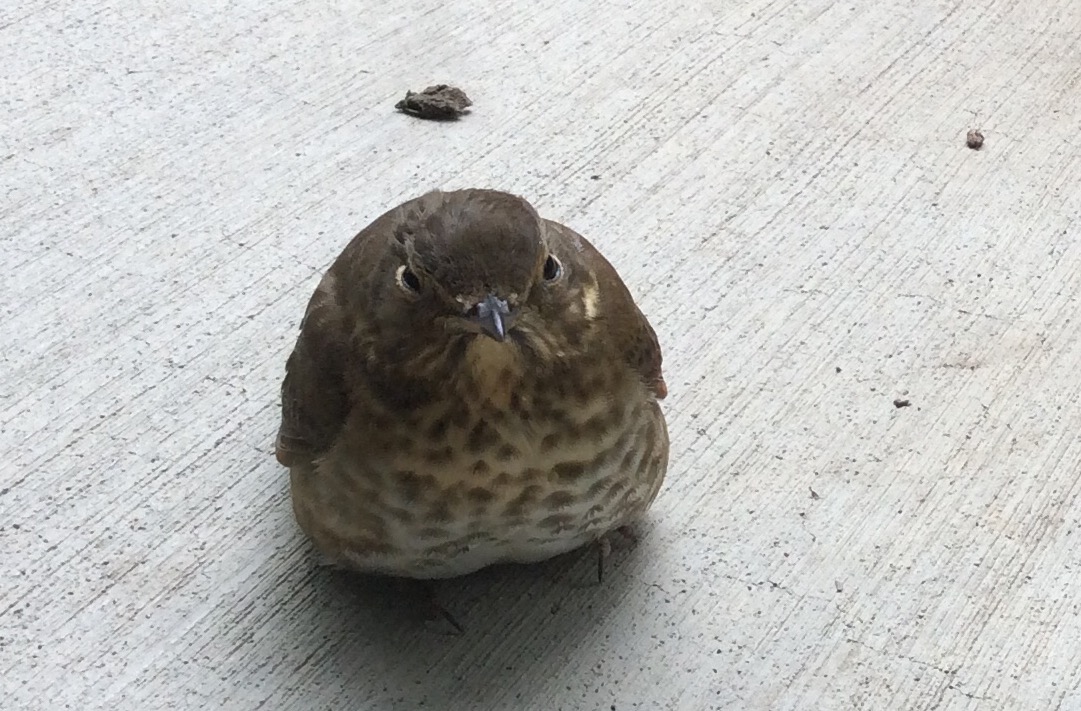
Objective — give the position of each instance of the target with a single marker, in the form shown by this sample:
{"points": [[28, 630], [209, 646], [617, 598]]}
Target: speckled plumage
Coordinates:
{"points": [[420, 445]]}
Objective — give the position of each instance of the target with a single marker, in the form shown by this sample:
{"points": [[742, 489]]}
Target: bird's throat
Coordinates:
{"points": [[494, 370]]}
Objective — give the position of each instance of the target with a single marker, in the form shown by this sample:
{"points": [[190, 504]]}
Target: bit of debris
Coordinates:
{"points": [[441, 102], [814, 494], [838, 369], [899, 403], [974, 139], [838, 586]]}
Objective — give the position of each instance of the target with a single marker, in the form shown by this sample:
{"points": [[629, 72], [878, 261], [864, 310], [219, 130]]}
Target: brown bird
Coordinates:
{"points": [[472, 384]]}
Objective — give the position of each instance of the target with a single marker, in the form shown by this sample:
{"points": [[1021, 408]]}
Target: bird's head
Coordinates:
{"points": [[473, 264]]}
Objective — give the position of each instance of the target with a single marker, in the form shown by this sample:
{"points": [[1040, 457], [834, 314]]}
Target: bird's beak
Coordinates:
{"points": [[493, 315]]}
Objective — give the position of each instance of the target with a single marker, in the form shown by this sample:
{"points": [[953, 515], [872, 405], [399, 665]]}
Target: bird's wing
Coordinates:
{"points": [[316, 397], [315, 400], [631, 331]]}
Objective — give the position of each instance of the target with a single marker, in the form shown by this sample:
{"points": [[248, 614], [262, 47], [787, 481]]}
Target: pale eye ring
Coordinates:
{"points": [[407, 279], [553, 269]]}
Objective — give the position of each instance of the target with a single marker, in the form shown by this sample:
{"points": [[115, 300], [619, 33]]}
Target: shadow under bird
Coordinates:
{"points": [[472, 384]]}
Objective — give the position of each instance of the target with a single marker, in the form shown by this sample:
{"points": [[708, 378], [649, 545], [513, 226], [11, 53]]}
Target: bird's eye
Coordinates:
{"points": [[552, 268], [407, 279]]}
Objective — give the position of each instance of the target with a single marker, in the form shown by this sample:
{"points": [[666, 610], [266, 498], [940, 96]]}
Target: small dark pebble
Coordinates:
{"points": [[974, 139], [437, 103], [838, 369], [901, 403]]}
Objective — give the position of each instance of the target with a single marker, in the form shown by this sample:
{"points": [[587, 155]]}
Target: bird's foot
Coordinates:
{"points": [[432, 610], [323, 562], [604, 547]]}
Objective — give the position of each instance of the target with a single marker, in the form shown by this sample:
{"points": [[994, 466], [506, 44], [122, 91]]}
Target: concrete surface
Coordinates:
{"points": [[785, 187]]}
